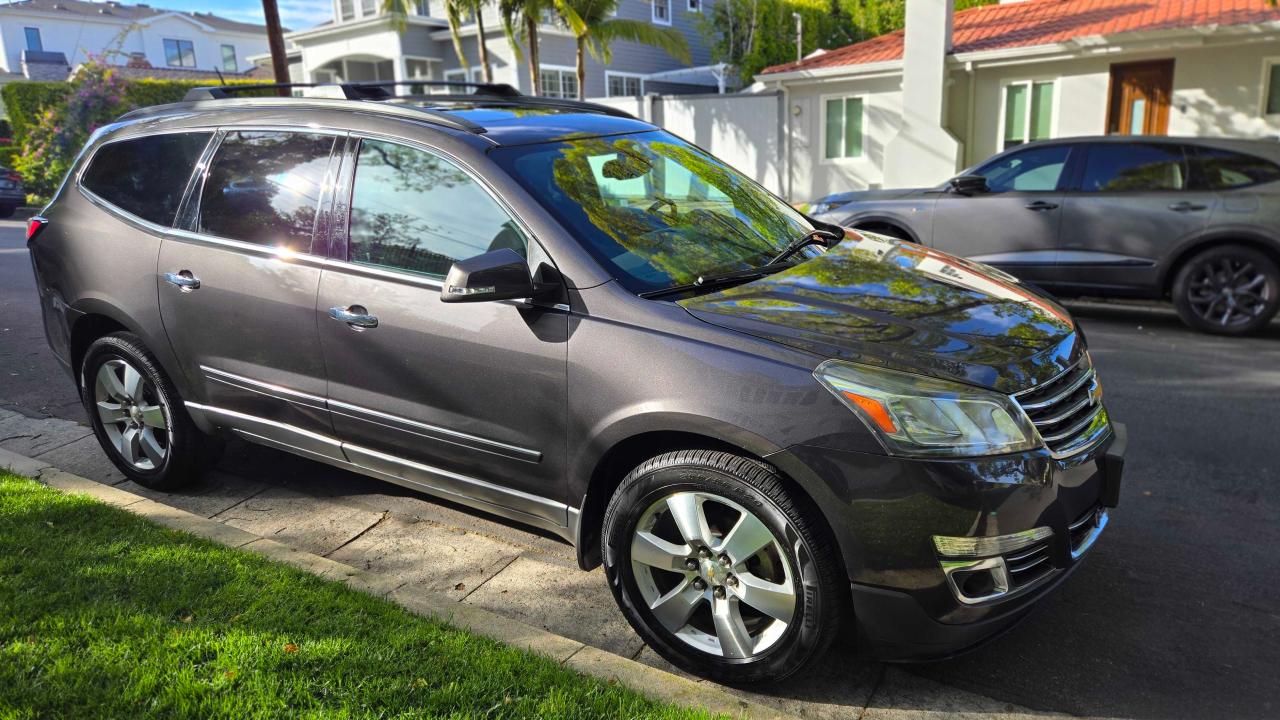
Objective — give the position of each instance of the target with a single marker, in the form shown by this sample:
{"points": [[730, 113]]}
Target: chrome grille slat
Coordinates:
{"points": [[1027, 566], [1024, 555], [1066, 410], [1065, 414], [1077, 427], [1058, 397], [1084, 519]]}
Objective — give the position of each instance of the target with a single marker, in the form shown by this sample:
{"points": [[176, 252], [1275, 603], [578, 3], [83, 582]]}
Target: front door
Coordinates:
{"points": [[1140, 94], [238, 288], [466, 399]]}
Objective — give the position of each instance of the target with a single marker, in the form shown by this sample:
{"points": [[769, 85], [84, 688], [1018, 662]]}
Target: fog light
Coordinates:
{"points": [[978, 547], [976, 581]]}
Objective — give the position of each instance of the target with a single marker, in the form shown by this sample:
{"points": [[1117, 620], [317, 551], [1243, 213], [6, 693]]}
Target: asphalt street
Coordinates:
{"points": [[1175, 613]]}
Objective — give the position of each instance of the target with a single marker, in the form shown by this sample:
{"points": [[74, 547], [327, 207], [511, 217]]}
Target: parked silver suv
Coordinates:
{"points": [[763, 427]]}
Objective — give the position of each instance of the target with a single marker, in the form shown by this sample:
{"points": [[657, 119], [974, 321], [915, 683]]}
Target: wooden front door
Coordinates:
{"points": [[1140, 95]]}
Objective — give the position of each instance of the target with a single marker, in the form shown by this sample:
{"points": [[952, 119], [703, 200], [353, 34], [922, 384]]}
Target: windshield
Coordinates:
{"points": [[654, 209]]}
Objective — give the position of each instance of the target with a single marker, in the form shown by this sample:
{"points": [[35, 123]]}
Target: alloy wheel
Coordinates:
{"points": [[1229, 291], [713, 574], [133, 414]]}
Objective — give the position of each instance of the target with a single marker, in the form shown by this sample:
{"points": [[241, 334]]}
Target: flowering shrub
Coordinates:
{"points": [[97, 96]]}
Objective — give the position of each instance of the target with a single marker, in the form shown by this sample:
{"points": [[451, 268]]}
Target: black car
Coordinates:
{"points": [[12, 195]]}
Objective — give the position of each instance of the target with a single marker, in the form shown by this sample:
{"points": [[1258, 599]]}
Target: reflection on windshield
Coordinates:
{"points": [[654, 209]]}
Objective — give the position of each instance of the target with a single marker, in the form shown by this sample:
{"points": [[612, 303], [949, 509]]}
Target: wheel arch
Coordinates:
{"points": [[872, 222], [1245, 237]]}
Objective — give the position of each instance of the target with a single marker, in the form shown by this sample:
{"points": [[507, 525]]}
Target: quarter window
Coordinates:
{"points": [[179, 53], [1222, 169], [229, 61], [34, 44], [264, 188], [1028, 112], [145, 176], [414, 211], [1124, 167], [843, 128]]}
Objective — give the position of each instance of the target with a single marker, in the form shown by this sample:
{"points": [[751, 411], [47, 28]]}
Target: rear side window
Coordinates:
{"points": [[1114, 167], [264, 188], [1219, 169], [145, 176]]}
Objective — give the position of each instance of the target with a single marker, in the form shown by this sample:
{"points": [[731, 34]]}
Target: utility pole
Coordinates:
{"points": [[275, 40], [799, 35]]}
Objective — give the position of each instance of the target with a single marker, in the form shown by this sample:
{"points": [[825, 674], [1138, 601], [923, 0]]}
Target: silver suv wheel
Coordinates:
{"points": [[134, 416], [713, 574]]}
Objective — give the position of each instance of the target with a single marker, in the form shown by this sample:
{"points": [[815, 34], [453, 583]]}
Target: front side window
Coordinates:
{"points": [[1037, 169], [843, 128], [1218, 169], [415, 211], [34, 44], [229, 61], [1028, 112], [264, 188], [653, 209], [559, 83], [179, 53], [662, 12], [624, 86], [1133, 167], [145, 176]]}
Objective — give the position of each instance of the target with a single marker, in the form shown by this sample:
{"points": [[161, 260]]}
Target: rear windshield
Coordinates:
{"points": [[145, 176], [655, 210]]}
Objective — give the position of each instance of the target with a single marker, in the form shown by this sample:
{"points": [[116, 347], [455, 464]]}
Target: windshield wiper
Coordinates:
{"points": [[709, 282], [804, 241]]}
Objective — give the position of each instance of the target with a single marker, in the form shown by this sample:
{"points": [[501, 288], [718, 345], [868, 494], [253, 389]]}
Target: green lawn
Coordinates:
{"points": [[105, 615]]}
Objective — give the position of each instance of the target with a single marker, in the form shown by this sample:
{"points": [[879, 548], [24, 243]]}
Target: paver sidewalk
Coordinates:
{"points": [[411, 542]]}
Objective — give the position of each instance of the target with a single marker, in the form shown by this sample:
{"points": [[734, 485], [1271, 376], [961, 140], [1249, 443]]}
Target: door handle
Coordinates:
{"points": [[185, 281], [1041, 205], [1185, 206], [356, 316]]}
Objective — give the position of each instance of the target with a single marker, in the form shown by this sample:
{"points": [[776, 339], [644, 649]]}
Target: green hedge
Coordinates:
{"points": [[7, 154]]}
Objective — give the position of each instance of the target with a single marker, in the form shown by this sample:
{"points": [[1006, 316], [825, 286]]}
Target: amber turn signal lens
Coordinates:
{"points": [[874, 410]]}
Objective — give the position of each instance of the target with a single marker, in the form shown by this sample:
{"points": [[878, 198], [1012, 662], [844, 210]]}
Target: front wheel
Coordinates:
{"points": [[1227, 290], [720, 569]]}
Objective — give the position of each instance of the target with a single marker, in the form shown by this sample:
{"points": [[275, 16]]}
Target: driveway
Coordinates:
{"points": [[1174, 615]]}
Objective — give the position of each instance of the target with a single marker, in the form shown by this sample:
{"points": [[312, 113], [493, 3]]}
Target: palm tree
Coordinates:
{"points": [[456, 12], [600, 28], [520, 20]]}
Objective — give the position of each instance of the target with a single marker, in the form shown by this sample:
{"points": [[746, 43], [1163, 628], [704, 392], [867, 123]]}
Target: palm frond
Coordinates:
{"points": [[667, 39]]}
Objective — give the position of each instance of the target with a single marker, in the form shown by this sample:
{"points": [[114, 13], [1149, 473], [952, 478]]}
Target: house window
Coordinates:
{"points": [[620, 85], [559, 82], [1271, 87], [662, 12], [843, 128], [423, 8], [33, 39], [179, 53], [1028, 112], [348, 9], [695, 5], [229, 62], [368, 8]]}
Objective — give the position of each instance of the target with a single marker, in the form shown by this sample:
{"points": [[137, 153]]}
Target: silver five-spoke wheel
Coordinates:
{"points": [[133, 414], [713, 574]]}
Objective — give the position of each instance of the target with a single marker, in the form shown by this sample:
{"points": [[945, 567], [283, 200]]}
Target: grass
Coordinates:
{"points": [[105, 615]]}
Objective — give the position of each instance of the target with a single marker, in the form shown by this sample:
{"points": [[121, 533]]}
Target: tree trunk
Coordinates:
{"points": [[485, 67], [275, 41], [531, 32], [582, 67]]}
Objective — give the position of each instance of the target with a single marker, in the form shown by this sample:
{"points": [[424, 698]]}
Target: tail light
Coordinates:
{"points": [[34, 226]]}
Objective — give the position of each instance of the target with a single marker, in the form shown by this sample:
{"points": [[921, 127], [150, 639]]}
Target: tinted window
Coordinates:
{"points": [[145, 176], [415, 211], [1036, 169], [1223, 169], [264, 188], [1114, 167]]}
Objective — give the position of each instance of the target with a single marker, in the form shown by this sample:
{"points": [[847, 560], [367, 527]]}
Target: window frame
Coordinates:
{"points": [[561, 69], [26, 41], [235, 57], [1072, 167], [1196, 181], [608, 74], [822, 128], [1188, 152], [1264, 94], [694, 6], [1030, 83], [164, 42], [194, 178], [653, 12]]}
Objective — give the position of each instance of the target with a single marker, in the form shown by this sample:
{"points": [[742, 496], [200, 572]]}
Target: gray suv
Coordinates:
{"points": [[762, 426], [1193, 220]]}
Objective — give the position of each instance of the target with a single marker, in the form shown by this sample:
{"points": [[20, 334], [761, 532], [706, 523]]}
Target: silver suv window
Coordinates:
{"points": [[1136, 167], [145, 176], [264, 188]]}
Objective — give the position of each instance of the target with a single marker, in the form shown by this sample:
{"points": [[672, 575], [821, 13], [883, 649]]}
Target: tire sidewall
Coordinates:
{"points": [[1182, 287], [636, 495]]}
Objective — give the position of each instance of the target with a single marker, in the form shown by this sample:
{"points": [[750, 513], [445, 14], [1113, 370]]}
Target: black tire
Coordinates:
{"points": [[797, 529], [7, 211], [1231, 282], [188, 452]]}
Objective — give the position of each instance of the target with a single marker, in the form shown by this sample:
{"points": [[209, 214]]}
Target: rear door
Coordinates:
{"points": [[1132, 205], [1014, 226], [238, 287]]}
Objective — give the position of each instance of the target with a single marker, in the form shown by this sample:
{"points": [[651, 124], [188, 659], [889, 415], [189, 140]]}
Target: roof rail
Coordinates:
{"points": [[376, 90]]}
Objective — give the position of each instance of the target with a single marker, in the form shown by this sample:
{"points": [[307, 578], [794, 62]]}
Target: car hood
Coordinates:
{"points": [[869, 195], [899, 305]]}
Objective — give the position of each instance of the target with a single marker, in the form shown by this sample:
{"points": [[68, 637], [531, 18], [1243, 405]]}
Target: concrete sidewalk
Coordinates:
{"points": [[419, 545]]}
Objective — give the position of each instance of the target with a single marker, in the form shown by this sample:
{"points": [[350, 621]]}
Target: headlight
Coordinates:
{"points": [[917, 415], [821, 206]]}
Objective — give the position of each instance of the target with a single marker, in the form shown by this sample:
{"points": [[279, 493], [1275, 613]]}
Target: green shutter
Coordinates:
{"points": [[1041, 110], [1015, 114], [1273, 90], [835, 124], [853, 127]]}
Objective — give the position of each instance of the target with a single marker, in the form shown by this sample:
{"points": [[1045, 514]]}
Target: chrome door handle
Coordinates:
{"points": [[1042, 205], [1185, 206], [355, 316], [185, 281]]}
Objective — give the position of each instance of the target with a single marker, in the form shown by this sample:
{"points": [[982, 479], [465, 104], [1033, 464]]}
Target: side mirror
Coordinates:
{"points": [[497, 275], [969, 185]]}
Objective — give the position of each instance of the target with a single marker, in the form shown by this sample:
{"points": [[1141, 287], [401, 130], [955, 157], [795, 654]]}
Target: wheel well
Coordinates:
{"points": [[84, 332], [885, 228], [1185, 255]]}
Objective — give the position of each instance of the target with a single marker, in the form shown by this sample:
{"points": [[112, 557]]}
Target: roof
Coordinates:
{"points": [[79, 8], [1045, 22]]}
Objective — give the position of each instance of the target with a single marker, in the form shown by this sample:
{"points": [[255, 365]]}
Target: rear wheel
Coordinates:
{"points": [[1228, 290], [719, 569]]}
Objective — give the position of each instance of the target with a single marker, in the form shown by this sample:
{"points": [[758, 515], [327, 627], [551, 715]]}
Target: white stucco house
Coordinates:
{"points": [[912, 107], [45, 39]]}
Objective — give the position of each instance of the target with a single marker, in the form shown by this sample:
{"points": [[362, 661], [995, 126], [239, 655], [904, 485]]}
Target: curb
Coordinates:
{"points": [[651, 682]]}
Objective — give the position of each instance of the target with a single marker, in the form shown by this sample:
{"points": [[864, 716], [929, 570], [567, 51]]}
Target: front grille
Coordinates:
{"points": [[1067, 410], [1028, 565], [1086, 529]]}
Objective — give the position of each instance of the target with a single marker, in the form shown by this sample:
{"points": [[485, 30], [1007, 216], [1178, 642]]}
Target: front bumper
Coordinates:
{"points": [[886, 511]]}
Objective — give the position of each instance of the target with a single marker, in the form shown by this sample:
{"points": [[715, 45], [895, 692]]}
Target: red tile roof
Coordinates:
{"points": [[1044, 22]]}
